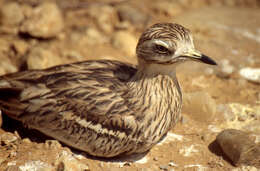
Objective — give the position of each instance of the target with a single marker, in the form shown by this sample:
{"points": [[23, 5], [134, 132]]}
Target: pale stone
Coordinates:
{"points": [[251, 74], [133, 15], [125, 41], [46, 21], [199, 106], [105, 17], [11, 14], [40, 58]]}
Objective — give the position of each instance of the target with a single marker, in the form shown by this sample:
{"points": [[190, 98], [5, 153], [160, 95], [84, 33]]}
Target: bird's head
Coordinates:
{"points": [[167, 44]]}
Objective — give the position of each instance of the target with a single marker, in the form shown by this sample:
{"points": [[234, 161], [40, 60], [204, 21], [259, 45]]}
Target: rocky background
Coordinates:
{"points": [[40, 34]]}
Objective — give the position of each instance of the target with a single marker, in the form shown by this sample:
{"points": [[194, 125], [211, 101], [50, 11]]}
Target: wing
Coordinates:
{"points": [[89, 91]]}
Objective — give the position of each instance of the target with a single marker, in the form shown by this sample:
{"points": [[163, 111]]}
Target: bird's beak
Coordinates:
{"points": [[198, 56]]}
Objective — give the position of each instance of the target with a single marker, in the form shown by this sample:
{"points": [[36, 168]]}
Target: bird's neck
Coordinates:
{"points": [[155, 99]]}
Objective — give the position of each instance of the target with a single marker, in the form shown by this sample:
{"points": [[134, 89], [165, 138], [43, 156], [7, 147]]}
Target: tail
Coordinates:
{"points": [[9, 103]]}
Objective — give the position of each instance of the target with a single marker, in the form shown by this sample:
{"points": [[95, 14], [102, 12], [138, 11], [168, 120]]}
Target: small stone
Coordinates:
{"points": [[11, 14], [95, 37], [27, 140], [251, 74], [136, 17], [225, 69], [125, 41], [52, 144], [200, 106], [168, 8], [67, 161], [164, 167], [239, 147], [40, 58], [8, 138], [105, 17], [155, 159], [45, 21], [172, 164]]}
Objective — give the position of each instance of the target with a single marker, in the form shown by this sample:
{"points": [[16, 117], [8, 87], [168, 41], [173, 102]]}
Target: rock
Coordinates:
{"points": [[251, 74], [40, 58], [8, 138], [164, 167], [95, 37], [105, 16], [199, 106], [225, 69], [11, 14], [52, 144], [45, 21], [172, 164], [168, 8], [132, 15], [238, 146], [125, 41], [67, 162]]}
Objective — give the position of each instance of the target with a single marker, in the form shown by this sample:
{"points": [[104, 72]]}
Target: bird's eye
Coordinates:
{"points": [[161, 49]]}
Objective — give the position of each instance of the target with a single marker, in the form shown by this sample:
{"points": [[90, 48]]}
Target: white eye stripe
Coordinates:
{"points": [[161, 43]]}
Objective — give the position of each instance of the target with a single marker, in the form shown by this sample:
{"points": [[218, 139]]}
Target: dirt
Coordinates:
{"points": [[224, 30]]}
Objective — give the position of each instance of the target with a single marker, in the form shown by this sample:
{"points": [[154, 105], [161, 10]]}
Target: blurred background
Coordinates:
{"points": [[40, 34]]}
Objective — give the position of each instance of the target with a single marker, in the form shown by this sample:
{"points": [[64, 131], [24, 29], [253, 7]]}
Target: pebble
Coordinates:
{"points": [[45, 21], [40, 58], [225, 69], [8, 138], [168, 8], [95, 37], [105, 16], [125, 41], [9, 17], [200, 106], [172, 164], [164, 167], [239, 147], [133, 15], [251, 74], [67, 162], [52, 144]]}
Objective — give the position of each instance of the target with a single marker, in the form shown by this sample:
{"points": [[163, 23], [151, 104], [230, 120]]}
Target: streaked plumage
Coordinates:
{"points": [[106, 108]]}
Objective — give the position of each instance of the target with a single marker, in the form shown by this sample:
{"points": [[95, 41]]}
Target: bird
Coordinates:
{"points": [[106, 108]]}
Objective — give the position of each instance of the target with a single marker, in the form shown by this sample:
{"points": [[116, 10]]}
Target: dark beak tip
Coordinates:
{"points": [[207, 60]]}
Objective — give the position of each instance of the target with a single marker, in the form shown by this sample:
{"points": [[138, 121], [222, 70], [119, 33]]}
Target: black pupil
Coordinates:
{"points": [[161, 49]]}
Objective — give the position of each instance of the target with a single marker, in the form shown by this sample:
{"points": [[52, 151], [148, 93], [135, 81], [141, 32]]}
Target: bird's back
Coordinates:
{"points": [[80, 104]]}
